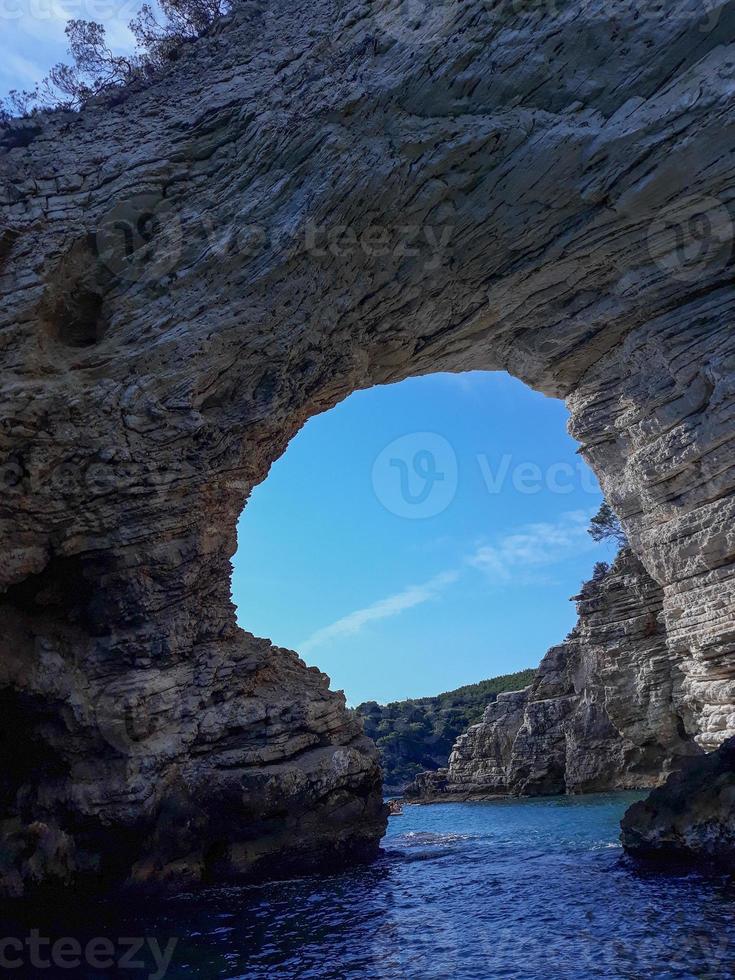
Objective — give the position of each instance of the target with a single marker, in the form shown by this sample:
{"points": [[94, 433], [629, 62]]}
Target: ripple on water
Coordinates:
{"points": [[510, 889]]}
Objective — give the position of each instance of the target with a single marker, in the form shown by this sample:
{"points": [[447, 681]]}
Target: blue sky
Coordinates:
{"points": [[33, 37], [421, 536]]}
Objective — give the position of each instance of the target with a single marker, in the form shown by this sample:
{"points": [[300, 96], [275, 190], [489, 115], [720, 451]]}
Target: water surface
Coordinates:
{"points": [[532, 889]]}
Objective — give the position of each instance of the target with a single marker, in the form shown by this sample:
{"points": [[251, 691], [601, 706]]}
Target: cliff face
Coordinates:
{"points": [[237, 763], [317, 199], [601, 714], [419, 733]]}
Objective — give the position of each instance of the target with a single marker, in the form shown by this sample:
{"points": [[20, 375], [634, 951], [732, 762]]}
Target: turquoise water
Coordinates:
{"points": [[536, 889]]}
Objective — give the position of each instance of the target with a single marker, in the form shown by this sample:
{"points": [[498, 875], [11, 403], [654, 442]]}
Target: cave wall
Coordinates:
{"points": [[311, 202]]}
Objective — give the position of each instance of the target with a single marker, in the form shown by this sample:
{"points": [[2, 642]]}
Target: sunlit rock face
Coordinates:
{"points": [[601, 714], [315, 200]]}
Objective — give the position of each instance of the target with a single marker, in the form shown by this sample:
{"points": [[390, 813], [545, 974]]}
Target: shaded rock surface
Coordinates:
{"points": [[601, 714], [191, 272], [692, 816], [236, 763]]}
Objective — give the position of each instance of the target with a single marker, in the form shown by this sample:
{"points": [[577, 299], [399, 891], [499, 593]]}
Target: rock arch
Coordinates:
{"points": [[314, 201]]}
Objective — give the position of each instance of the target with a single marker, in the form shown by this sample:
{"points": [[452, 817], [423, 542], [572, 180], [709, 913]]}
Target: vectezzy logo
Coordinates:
{"points": [[141, 239], [415, 476]]}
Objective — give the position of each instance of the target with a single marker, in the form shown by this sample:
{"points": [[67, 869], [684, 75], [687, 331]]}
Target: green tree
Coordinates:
{"points": [[606, 526], [418, 734]]}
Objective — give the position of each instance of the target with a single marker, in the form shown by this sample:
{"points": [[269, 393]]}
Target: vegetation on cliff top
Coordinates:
{"points": [[419, 733], [96, 70]]}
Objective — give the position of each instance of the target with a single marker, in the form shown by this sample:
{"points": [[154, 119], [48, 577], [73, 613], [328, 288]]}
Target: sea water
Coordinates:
{"points": [[477, 891]]}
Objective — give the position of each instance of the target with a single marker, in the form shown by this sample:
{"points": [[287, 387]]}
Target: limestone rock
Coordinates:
{"points": [[418, 734], [692, 816], [316, 199], [238, 763], [601, 713]]}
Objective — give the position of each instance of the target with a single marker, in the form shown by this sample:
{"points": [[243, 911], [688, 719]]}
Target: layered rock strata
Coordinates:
{"points": [[601, 714], [238, 762], [317, 199]]}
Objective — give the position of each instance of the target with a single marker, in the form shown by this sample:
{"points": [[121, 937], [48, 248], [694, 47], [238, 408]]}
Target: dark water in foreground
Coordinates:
{"points": [[537, 889]]}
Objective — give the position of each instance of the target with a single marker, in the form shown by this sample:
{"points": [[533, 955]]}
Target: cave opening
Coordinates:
{"points": [[403, 537]]}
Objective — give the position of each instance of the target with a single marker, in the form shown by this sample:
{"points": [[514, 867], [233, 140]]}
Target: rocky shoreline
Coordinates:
{"points": [[244, 766], [606, 710], [691, 817], [418, 733]]}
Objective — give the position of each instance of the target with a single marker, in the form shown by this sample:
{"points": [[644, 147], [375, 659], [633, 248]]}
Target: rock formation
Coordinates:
{"points": [[237, 763], [419, 733], [692, 816], [601, 714], [318, 199]]}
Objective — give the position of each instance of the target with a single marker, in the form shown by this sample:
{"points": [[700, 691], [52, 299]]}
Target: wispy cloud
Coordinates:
{"points": [[534, 546], [21, 71], [516, 557], [33, 34], [392, 605]]}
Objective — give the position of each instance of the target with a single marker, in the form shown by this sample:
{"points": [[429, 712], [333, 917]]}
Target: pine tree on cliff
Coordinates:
{"points": [[606, 526]]}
